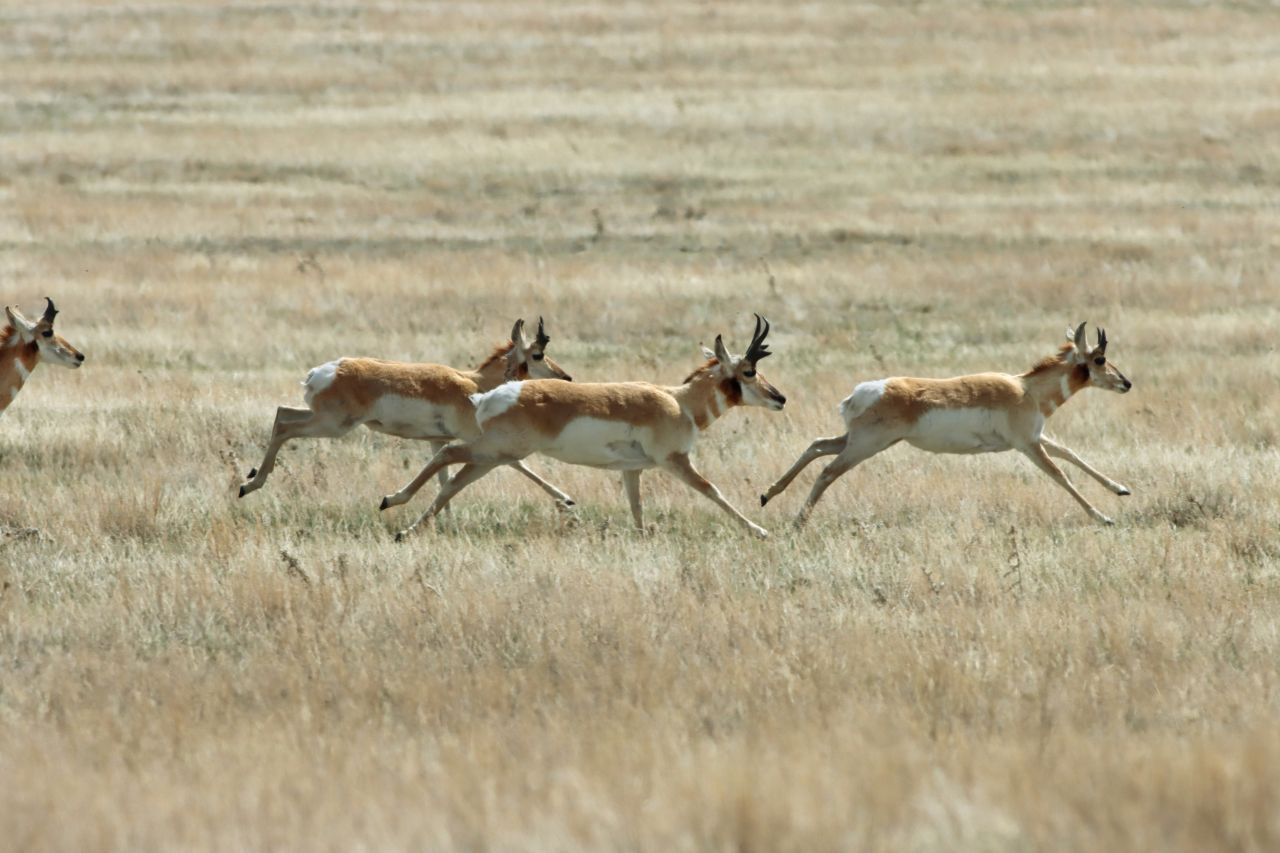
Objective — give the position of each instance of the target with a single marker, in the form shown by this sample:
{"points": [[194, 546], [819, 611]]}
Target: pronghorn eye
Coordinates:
{"points": [[47, 333], [1099, 361], [748, 374], [536, 356]]}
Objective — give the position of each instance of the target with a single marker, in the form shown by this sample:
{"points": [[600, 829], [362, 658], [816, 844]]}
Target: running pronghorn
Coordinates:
{"points": [[982, 413], [422, 401], [623, 426], [24, 344]]}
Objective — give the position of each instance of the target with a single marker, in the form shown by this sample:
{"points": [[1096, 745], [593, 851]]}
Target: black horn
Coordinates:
{"points": [[758, 349], [49, 311], [541, 340], [1102, 339]]}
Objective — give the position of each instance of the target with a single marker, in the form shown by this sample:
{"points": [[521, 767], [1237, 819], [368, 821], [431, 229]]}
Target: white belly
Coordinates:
{"points": [[615, 445], [961, 431], [412, 418]]}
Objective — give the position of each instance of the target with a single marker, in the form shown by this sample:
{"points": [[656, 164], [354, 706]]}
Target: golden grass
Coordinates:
{"points": [[951, 656]]}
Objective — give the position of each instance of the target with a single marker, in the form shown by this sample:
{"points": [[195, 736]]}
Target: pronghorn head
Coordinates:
{"points": [[530, 361], [739, 375], [1101, 373], [52, 348]]}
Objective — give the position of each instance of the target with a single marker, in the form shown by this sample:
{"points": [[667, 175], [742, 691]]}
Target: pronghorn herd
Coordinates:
{"points": [[519, 402]]}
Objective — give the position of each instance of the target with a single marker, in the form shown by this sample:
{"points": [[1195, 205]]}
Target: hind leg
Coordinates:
{"points": [[291, 423], [453, 454], [442, 476], [858, 447], [562, 500], [821, 447], [469, 473]]}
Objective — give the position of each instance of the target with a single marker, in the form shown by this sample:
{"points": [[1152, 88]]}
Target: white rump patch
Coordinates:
{"points": [[490, 404], [319, 378], [864, 396]]}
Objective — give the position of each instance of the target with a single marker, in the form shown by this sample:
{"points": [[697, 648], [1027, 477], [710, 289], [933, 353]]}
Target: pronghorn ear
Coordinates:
{"points": [[517, 338], [1077, 338], [25, 328], [519, 353], [706, 353], [722, 354]]}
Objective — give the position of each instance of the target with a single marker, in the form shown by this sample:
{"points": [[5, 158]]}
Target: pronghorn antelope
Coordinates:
{"points": [[623, 426], [24, 344], [981, 413], [422, 401]]}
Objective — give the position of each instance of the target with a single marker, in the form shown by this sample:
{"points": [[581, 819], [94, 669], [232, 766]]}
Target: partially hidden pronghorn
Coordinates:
{"points": [[622, 426], [981, 413], [430, 402], [24, 344]]}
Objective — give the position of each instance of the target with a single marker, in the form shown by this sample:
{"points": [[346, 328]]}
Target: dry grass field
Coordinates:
{"points": [[951, 656]]}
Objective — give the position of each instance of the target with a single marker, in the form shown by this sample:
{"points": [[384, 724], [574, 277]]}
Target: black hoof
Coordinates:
{"points": [[570, 502], [253, 472], [764, 499], [400, 537], [382, 505], [1123, 492], [242, 491]]}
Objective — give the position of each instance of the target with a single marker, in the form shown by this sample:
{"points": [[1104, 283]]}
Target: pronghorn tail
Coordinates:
{"points": [[864, 396], [490, 404], [318, 379]]}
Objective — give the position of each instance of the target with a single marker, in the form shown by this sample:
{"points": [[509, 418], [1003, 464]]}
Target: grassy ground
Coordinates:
{"points": [[952, 655]]}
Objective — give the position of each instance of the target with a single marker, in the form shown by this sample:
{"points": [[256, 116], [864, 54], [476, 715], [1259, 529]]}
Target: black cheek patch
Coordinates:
{"points": [[732, 390], [1082, 373]]}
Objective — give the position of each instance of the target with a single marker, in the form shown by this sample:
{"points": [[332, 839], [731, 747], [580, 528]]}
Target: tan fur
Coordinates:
{"points": [[547, 406], [12, 353], [906, 399]]}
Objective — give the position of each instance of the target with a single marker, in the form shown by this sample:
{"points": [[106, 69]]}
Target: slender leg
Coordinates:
{"points": [[1061, 451], [631, 480], [821, 447], [453, 454], [291, 423], [560, 497], [443, 474], [469, 473], [680, 465], [858, 447], [1037, 454]]}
